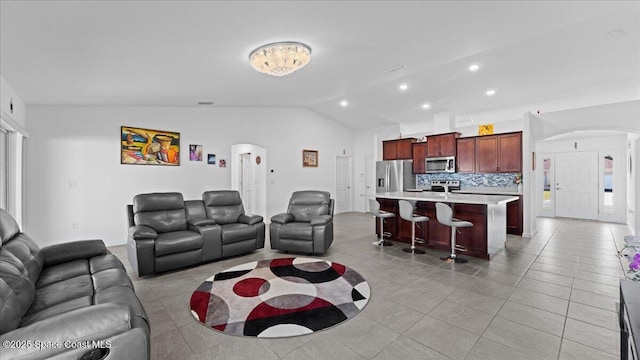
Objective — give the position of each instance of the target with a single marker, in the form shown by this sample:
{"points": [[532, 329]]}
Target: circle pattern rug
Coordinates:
{"points": [[280, 297]]}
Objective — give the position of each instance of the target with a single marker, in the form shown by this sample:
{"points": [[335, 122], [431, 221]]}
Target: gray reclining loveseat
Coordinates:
{"points": [[67, 301], [168, 233]]}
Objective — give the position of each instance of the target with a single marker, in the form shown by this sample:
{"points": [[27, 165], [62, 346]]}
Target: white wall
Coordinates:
{"points": [[368, 143], [624, 116], [74, 175], [635, 211]]}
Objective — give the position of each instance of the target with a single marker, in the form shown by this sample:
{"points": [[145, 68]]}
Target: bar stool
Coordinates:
{"points": [[406, 213], [444, 213], [374, 208]]}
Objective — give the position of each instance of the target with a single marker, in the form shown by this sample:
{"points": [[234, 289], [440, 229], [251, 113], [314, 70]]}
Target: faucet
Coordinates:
{"points": [[446, 189]]}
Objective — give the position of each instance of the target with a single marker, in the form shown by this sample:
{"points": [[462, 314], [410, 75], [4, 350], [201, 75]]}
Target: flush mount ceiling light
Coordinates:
{"points": [[403, 87], [474, 67], [490, 92], [426, 106], [281, 58], [344, 103]]}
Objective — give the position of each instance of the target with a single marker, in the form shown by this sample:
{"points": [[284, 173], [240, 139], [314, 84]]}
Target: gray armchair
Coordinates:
{"points": [[307, 226]]}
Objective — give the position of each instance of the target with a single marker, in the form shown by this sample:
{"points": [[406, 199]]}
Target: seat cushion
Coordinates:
{"points": [[297, 230], [177, 242], [238, 232]]}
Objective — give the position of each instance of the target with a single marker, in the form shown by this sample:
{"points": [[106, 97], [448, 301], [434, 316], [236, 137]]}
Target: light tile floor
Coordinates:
{"points": [[550, 297]]}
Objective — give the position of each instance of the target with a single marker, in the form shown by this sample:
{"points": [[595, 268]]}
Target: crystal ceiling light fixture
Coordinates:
{"points": [[280, 58]]}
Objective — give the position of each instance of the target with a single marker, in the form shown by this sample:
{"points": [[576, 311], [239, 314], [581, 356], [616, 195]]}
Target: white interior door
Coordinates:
{"points": [[546, 191], [370, 181], [577, 185], [343, 184], [246, 184]]}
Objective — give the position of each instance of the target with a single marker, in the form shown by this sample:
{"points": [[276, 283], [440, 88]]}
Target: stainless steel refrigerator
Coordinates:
{"points": [[394, 175]]}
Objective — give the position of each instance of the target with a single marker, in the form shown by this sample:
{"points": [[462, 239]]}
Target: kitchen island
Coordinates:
{"points": [[488, 213]]}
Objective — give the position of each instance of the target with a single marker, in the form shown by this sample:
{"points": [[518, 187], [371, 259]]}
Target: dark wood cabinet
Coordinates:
{"points": [[442, 145], [419, 155], [510, 152], [471, 240], [400, 149], [499, 153], [487, 154], [466, 155], [514, 217]]}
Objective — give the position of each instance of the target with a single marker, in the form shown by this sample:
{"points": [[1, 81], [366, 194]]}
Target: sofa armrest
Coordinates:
{"points": [[202, 222], [97, 322], [282, 218], [70, 251], [142, 232], [250, 219], [321, 220]]}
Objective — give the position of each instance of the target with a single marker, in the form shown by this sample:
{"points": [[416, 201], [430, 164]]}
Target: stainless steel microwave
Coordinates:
{"points": [[445, 164]]}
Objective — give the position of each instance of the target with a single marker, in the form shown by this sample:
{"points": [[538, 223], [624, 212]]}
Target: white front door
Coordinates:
{"points": [[577, 185], [343, 184]]}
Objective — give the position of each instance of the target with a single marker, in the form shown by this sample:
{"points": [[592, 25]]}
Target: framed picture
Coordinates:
{"points": [[310, 158], [195, 152], [211, 159], [149, 147]]}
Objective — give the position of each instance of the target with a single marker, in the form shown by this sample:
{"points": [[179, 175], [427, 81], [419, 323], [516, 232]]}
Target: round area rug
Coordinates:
{"points": [[280, 297]]}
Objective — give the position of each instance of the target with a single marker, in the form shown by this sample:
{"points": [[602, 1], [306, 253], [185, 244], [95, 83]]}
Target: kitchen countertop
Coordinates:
{"points": [[456, 198]]}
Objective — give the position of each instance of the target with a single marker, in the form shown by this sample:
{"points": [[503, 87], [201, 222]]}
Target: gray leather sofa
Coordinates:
{"points": [[67, 301], [307, 226], [168, 233]]}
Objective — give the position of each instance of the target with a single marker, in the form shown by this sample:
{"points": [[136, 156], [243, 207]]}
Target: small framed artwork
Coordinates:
{"points": [[211, 159], [223, 163], [149, 147], [310, 158], [195, 152]]}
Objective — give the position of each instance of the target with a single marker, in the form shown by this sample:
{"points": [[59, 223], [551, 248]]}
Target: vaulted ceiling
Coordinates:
{"points": [[536, 55]]}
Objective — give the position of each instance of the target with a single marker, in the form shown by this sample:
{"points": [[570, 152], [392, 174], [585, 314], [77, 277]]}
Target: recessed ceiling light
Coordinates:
{"points": [[474, 67], [426, 106], [490, 92], [403, 87], [344, 103]]}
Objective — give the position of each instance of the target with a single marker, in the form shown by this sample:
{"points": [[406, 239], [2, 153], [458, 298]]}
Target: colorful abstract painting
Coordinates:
{"points": [[149, 147]]}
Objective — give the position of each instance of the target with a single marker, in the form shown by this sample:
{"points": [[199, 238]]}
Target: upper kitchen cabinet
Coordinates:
{"points": [[499, 153], [419, 154], [400, 149], [442, 145], [466, 155]]}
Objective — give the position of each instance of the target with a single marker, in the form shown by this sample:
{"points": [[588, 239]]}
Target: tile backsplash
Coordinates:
{"points": [[469, 180]]}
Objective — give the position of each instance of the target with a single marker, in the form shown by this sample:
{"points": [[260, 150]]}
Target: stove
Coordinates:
{"points": [[439, 185]]}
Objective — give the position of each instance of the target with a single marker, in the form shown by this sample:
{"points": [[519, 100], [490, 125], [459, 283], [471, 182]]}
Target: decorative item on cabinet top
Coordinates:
{"points": [[485, 129]]}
